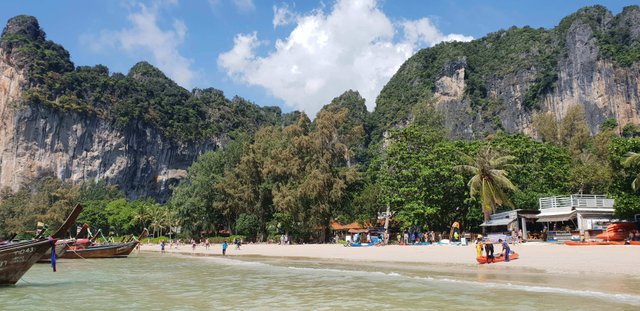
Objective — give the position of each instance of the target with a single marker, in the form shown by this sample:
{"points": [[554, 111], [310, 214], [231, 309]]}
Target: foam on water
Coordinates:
{"points": [[208, 283], [620, 298]]}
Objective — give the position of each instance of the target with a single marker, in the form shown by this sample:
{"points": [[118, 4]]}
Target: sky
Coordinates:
{"points": [[298, 55]]}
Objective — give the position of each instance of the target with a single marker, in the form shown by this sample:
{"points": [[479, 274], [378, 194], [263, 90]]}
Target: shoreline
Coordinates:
{"points": [[538, 258]]}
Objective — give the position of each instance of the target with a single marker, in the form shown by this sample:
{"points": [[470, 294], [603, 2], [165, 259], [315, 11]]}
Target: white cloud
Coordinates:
{"points": [[354, 46], [283, 16], [144, 33]]}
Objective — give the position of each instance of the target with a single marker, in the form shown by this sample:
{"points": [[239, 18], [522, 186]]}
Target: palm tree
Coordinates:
{"points": [[157, 218], [141, 216], [631, 159], [489, 181]]}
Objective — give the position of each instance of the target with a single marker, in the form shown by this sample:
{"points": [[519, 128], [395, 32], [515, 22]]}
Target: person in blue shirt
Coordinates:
{"points": [[224, 248], [505, 249]]}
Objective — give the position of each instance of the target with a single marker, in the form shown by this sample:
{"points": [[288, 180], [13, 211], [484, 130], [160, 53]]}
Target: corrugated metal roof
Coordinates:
{"points": [[498, 222]]}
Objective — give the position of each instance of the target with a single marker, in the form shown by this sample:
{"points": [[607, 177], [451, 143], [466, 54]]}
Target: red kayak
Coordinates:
{"points": [[483, 259]]}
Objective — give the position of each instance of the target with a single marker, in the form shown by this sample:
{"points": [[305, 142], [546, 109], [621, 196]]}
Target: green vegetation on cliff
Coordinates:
{"points": [[527, 56], [145, 95]]}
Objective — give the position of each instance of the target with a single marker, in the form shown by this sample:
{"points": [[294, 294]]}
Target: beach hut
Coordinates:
{"points": [[510, 220], [582, 211]]}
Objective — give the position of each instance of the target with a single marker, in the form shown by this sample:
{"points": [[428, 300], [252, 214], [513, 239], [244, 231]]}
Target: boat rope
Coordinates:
{"points": [[74, 251]]}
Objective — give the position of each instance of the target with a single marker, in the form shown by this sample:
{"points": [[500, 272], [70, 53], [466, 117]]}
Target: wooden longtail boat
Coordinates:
{"points": [[17, 258], [114, 250], [63, 245], [7, 241]]}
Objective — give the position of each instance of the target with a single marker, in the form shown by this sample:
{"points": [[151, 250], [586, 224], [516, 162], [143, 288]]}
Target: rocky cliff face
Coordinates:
{"points": [[74, 145], [501, 81], [37, 140]]}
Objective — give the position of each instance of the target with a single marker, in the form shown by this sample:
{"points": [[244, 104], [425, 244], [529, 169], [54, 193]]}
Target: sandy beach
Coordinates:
{"points": [[619, 260]]}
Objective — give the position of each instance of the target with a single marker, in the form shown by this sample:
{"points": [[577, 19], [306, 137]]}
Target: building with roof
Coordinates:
{"points": [[511, 220], [585, 211]]}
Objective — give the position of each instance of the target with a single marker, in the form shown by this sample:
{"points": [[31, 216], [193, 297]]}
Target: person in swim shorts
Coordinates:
{"points": [[488, 249]]}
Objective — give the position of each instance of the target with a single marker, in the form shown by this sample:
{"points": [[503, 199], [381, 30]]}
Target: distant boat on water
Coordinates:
{"points": [[112, 250]]}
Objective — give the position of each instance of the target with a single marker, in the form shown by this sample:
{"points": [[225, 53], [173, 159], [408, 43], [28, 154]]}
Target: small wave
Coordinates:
{"points": [[231, 261], [341, 271], [623, 298], [619, 298]]}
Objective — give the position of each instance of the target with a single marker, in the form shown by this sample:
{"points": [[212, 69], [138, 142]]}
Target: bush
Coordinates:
{"points": [[247, 224], [220, 239], [157, 240]]}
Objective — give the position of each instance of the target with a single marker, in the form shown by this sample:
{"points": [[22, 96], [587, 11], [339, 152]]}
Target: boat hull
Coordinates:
{"points": [[16, 259], [101, 251], [60, 249], [483, 259]]}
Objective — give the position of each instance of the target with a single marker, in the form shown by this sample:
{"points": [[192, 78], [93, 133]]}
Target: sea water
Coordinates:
{"points": [[176, 282]]}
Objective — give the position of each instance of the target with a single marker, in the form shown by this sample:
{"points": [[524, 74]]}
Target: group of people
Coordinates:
{"points": [[409, 237], [633, 236], [489, 250], [194, 243]]}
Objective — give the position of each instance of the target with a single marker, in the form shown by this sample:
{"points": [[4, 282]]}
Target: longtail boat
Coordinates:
{"points": [[17, 258], [63, 245], [7, 241], [113, 250]]}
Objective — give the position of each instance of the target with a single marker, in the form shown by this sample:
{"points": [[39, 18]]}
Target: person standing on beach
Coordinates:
{"points": [[206, 244], [488, 249], [162, 246], [479, 246], [224, 248], [505, 249], [520, 235]]}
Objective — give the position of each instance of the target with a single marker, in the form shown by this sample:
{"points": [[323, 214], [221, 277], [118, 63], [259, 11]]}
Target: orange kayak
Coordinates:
{"points": [[617, 232], [575, 243], [483, 259]]}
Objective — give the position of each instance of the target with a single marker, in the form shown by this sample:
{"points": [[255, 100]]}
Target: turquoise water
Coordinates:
{"points": [[173, 282]]}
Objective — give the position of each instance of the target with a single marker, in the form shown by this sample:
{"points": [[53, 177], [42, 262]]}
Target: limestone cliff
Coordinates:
{"points": [[115, 129], [499, 82], [37, 140]]}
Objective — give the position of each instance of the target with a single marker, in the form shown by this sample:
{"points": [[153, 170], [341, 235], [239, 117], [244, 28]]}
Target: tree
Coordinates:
{"points": [[574, 132], [489, 181], [632, 159], [47, 200], [609, 124], [546, 127], [247, 225], [630, 130], [196, 200]]}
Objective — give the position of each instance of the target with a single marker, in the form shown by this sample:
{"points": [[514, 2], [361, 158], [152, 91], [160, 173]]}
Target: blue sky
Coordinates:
{"points": [[294, 54]]}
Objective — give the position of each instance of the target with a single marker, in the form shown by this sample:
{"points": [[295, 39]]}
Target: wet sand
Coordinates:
{"points": [[618, 260]]}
